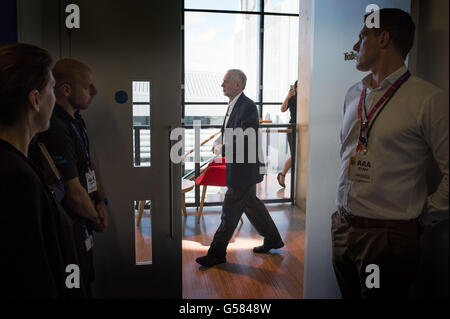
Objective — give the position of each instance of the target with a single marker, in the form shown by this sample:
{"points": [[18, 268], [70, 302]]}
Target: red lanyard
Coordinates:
{"points": [[368, 123]]}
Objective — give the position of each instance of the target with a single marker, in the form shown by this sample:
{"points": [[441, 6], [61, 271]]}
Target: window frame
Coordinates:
{"points": [[260, 96], [259, 103]]}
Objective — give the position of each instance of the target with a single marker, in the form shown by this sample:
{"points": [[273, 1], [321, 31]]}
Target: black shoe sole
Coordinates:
{"points": [[212, 264], [266, 250]]}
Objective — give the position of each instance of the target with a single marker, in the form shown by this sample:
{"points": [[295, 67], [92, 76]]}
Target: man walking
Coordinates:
{"points": [[241, 175]]}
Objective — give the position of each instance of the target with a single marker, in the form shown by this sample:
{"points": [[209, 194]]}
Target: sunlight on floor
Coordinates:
{"points": [[237, 244]]}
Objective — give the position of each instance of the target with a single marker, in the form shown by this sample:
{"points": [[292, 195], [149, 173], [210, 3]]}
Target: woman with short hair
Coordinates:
{"points": [[33, 254]]}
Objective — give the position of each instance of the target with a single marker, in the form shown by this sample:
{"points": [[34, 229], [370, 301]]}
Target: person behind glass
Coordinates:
{"points": [[290, 103], [34, 254], [68, 144], [394, 124], [241, 177]]}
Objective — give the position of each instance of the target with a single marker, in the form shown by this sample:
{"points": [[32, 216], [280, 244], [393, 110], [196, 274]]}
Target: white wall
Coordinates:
{"points": [[335, 25]]}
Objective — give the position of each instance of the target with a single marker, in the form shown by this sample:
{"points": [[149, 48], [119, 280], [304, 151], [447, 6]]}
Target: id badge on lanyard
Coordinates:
{"points": [[91, 181], [89, 241], [361, 167]]}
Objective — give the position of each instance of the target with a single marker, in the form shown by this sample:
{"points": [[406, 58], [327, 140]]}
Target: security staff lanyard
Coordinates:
{"points": [[84, 141], [367, 124]]}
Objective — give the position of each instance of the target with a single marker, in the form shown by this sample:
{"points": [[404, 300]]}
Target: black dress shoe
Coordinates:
{"points": [[265, 249], [209, 261]]}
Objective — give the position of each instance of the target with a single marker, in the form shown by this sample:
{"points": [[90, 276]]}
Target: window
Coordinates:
{"points": [[260, 37], [141, 123]]}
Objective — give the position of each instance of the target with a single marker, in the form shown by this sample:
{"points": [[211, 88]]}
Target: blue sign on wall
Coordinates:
{"points": [[121, 97]]}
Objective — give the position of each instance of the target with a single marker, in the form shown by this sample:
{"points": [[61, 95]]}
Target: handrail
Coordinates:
{"points": [[266, 128], [210, 138], [201, 166], [201, 144]]}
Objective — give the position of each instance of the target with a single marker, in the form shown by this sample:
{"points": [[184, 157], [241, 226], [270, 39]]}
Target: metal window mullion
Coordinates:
{"points": [[261, 58], [261, 12], [183, 77]]}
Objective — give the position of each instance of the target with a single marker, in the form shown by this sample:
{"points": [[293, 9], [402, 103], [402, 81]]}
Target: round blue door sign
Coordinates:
{"points": [[121, 97]]}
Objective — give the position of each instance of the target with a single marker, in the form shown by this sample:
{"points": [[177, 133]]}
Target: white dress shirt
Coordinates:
{"points": [[219, 141], [230, 108], [408, 133]]}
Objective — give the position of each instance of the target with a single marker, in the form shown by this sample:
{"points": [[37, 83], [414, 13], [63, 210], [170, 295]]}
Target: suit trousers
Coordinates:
{"points": [[360, 243], [236, 202]]}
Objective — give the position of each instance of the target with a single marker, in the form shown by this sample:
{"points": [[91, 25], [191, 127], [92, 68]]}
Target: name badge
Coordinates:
{"points": [[89, 241], [91, 182], [361, 168]]}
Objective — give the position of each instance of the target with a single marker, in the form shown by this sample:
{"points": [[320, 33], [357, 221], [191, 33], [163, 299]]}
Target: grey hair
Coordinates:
{"points": [[238, 76]]}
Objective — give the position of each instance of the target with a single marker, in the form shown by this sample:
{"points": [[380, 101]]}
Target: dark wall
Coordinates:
{"points": [[8, 22], [432, 17]]}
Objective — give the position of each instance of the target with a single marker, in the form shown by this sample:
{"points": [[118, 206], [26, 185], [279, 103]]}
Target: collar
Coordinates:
{"points": [[6, 145], [233, 102], [9, 147], [387, 81], [60, 112]]}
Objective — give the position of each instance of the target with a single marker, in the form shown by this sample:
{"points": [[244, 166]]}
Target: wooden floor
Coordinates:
{"points": [[246, 275]]}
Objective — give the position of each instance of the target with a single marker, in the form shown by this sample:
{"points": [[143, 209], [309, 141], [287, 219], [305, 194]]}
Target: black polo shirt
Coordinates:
{"points": [[35, 237], [68, 144]]}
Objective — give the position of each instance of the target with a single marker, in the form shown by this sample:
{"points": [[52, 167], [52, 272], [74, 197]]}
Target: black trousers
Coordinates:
{"points": [[86, 258], [238, 201], [359, 243]]}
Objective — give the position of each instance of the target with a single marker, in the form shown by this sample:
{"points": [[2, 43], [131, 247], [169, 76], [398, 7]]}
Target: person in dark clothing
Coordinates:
{"points": [[290, 103], [242, 175], [68, 144], [35, 242]]}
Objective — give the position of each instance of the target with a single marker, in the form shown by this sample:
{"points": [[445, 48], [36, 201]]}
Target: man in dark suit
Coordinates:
{"points": [[239, 146]]}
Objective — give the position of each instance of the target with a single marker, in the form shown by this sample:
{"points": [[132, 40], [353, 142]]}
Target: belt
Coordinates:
{"points": [[363, 222]]}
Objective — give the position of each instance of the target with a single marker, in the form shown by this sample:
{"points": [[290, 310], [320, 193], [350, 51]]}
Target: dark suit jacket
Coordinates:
{"points": [[241, 174]]}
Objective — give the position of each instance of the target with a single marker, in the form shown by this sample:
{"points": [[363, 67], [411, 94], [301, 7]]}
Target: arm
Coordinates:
{"points": [[217, 146], [285, 106], [434, 124], [79, 202], [100, 205], [59, 141], [25, 255]]}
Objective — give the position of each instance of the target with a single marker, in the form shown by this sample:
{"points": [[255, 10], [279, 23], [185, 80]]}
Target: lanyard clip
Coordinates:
{"points": [[363, 141], [364, 124]]}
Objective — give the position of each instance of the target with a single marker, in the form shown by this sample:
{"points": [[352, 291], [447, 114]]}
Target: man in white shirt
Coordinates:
{"points": [[394, 124]]}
